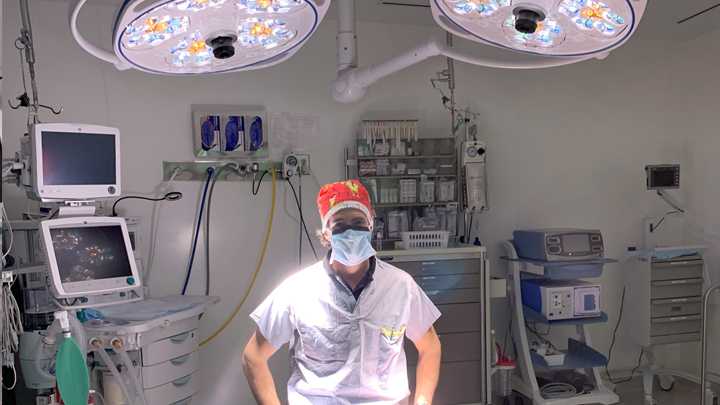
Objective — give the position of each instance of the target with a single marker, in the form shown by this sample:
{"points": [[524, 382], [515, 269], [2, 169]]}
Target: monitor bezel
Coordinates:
{"points": [[650, 171], [93, 287], [84, 192]]}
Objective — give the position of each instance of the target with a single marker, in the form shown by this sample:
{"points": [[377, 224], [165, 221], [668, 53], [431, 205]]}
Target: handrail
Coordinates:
{"points": [[703, 370]]}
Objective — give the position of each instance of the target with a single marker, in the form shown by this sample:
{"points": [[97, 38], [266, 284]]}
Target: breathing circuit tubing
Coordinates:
{"points": [[262, 256]]}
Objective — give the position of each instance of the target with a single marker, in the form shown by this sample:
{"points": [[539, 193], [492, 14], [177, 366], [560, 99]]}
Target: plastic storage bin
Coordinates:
{"points": [[425, 239]]}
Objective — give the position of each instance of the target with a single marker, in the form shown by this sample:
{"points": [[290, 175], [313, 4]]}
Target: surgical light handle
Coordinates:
{"points": [[91, 48]]}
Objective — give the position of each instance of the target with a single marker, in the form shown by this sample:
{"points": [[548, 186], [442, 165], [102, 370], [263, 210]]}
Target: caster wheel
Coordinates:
{"points": [[667, 383]]}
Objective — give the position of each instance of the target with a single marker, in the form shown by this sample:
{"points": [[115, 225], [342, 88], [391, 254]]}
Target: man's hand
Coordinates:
{"points": [[254, 362], [428, 368]]}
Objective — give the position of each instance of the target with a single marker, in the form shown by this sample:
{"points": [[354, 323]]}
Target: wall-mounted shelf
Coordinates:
{"points": [[405, 157], [412, 204], [408, 176]]}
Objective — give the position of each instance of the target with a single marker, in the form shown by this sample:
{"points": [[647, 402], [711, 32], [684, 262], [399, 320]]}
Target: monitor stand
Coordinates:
{"points": [[73, 209]]}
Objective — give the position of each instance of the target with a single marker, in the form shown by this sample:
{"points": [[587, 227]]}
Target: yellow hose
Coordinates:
{"points": [[262, 256]]}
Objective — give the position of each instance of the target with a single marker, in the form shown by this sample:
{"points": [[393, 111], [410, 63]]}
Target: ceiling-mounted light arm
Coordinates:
{"points": [[91, 48], [347, 36], [351, 85]]}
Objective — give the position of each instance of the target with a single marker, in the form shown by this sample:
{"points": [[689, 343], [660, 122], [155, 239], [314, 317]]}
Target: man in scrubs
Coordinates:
{"points": [[345, 319]]}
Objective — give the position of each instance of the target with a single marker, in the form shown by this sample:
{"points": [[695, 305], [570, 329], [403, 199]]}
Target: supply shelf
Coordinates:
{"points": [[535, 316], [577, 356]]}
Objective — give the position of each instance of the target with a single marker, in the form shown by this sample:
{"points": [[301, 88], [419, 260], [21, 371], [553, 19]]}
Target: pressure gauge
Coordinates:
{"points": [[472, 151], [290, 166]]}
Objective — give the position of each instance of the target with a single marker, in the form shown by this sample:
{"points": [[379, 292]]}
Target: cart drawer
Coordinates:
{"points": [[440, 267], [677, 270], [675, 325], [455, 347], [458, 318], [676, 288], [454, 296], [174, 392], [168, 371], [170, 348], [448, 282], [459, 383], [676, 307]]}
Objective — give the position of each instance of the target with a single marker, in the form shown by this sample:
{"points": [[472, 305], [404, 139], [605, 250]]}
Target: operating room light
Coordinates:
{"points": [[565, 28], [190, 37]]}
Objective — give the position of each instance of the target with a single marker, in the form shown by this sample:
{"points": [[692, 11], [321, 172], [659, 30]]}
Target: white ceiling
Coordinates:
{"points": [[659, 22]]}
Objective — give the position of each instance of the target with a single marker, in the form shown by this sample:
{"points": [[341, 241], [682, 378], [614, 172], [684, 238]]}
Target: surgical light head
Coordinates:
{"points": [[565, 28], [192, 37]]}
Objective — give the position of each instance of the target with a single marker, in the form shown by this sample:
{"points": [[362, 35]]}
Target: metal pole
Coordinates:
{"points": [[703, 370], [451, 83], [27, 41]]}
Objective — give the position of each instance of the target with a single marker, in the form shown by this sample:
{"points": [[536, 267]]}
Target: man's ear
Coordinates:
{"points": [[328, 234]]}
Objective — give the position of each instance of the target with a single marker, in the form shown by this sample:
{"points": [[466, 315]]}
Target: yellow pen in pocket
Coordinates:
{"points": [[393, 333]]}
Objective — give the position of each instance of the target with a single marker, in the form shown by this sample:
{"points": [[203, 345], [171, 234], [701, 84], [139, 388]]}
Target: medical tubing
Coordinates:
{"points": [[197, 229], [133, 377], [52, 330], [262, 256], [78, 333], [302, 219], [114, 371], [207, 225]]}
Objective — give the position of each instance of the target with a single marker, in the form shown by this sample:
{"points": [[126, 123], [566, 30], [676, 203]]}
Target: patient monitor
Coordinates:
{"points": [[70, 162], [90, 261]]}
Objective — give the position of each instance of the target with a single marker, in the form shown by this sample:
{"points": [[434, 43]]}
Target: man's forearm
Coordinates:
{"points": [[261, 381], [428, 373]]}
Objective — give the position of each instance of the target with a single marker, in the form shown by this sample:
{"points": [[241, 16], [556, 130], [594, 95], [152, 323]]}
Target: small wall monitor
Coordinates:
{"points": [[71, 162], [662, 177], [88, 256]]}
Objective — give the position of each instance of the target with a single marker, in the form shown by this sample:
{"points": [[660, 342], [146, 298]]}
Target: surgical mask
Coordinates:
{"points": [[351, 245]]}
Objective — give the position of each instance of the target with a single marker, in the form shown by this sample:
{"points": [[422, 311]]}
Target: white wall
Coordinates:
{"points": [[567, 147], [702, 169]]}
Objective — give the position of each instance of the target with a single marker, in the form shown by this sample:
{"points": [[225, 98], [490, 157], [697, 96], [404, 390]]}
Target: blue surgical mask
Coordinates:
{"points": [[351, 245]]}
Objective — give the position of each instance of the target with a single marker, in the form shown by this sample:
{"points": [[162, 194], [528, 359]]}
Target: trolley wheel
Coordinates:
{"points": [[667, 383]]}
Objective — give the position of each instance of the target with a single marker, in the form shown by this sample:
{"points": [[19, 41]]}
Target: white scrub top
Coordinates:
{"points": [[343, 351]]}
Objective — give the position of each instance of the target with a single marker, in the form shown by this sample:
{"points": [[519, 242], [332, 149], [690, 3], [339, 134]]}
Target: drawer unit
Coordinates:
{"points": [[170, 348], [176, 391], [172, 370], [439, 267], [458, 318], [459, 383], [677, 270], [676, 307], [448, 282], [675, 325], [676, 288], [455, 347], [454, 296]]}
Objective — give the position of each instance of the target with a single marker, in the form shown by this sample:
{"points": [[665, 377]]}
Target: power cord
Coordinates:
{"points": [[558, 390], [155, 224], [607, 371], [210, 172], [6, 221], [255, 190], [174, 196], [302, 220], [12, 329]]}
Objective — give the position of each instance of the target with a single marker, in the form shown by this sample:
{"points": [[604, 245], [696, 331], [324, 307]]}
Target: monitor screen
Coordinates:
{"points": [[78, 159], [90, 253], [576, 243], [663, 177]]}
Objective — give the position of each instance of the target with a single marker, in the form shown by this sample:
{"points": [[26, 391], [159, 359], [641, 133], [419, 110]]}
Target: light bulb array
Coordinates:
{"points": [[564, 27]]}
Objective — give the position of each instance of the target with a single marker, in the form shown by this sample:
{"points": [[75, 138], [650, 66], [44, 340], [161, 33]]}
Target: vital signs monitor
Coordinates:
{"points": [[71, 162], [88, 256]]}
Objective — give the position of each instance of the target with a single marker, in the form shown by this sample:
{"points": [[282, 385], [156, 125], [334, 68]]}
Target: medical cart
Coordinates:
{"points": [[579, 356], [457, 281], [665, 306]]}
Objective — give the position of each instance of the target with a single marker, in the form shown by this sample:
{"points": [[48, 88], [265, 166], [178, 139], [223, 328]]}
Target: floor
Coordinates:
{"points": [[684, 393]]}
